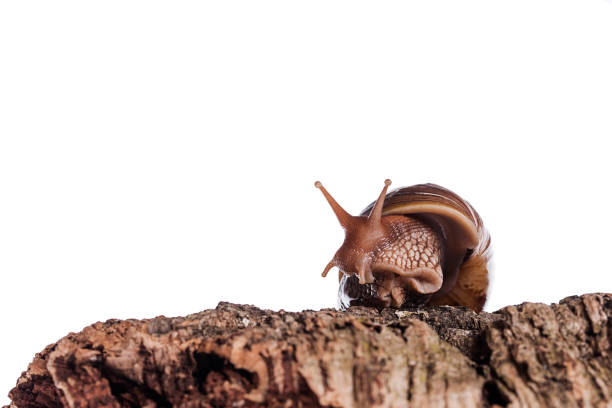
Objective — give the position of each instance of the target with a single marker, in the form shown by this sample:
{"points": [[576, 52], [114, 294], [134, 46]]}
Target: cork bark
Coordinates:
{"points": [[240, 356]]}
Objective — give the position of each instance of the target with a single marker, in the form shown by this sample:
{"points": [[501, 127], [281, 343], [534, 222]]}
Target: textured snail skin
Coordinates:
{"points": [[416, 245]]}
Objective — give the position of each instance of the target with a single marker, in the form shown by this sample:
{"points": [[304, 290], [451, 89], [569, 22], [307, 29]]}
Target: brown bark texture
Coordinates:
{"points": [[530, 355]]}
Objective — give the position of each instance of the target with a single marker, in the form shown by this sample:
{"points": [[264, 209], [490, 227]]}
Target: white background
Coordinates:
{"points": [[159, 157]]}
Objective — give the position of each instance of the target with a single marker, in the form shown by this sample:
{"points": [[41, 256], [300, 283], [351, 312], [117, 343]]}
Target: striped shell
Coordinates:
{"points": [[466, 242]]}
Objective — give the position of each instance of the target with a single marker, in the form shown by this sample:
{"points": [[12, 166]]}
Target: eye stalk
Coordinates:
{"points": [[345, 218], [376, 213]]}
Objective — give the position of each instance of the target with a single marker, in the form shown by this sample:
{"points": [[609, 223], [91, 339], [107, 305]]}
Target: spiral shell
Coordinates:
{"points": [[466, 242]]}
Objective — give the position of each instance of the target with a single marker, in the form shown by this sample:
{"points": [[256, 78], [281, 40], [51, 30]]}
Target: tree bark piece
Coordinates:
{"points": [[235, 355]]}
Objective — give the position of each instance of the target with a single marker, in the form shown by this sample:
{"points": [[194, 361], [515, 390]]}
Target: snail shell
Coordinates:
{"points": [[421, 244]]}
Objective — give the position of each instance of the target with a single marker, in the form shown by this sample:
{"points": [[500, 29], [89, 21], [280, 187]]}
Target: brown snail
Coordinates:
{"points": [[421, 244]]}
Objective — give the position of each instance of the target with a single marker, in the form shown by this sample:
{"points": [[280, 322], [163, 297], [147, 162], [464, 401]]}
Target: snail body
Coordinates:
{"points": [[421, 244]]}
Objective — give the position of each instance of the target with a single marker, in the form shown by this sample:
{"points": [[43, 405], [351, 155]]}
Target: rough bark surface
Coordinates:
{"points": [[526, 355]]}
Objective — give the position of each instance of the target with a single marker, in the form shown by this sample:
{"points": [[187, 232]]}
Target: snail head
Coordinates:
{"points": [[363, 236]]}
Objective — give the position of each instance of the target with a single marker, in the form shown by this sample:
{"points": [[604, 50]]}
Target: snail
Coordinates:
{"points": [[417, 245]]}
